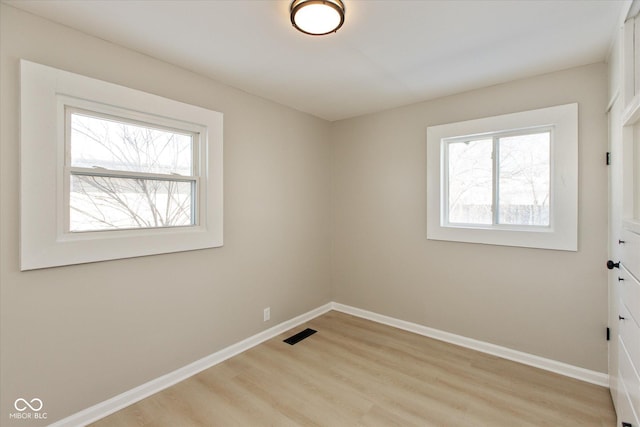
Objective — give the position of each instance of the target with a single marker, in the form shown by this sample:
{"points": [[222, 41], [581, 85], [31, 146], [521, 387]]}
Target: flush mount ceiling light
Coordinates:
{"points": [[317, 17]]}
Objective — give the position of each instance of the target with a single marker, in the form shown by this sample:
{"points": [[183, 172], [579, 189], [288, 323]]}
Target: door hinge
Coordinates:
{"points": [[608, 334], [608, 158]]}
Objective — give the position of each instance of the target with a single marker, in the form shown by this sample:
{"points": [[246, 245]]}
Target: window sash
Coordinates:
{"points": [[127, 117], [495, 183]]}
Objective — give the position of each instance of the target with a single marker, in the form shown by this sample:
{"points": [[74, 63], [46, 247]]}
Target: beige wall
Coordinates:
{"points": [[75, 336], [313, 212], [548, 303]]}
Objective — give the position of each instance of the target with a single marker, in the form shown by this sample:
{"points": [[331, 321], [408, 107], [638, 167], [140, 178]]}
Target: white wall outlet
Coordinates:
{"points": [[267, 313]]}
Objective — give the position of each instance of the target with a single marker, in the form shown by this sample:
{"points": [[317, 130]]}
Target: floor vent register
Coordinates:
{"points": [[294, 339]]}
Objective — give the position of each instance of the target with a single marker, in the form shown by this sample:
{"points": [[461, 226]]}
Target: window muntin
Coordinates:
{"points": [[123, 174], [497, 179]]}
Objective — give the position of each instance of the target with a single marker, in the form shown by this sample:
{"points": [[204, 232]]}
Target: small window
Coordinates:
{"points": [[507, 180], [499, 179], [109, 172]]}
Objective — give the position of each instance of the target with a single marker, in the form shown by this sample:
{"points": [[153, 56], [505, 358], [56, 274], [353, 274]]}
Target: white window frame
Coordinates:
{"points": [[562, 232], [46, 96], [73, 105], [494, 136]]}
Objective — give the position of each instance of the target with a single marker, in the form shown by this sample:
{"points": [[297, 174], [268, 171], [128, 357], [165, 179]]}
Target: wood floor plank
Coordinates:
{"points": [[355, 372]]}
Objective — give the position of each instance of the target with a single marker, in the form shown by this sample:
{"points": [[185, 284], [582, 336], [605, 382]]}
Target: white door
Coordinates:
{"points": [[624, 228], [615, 234]]}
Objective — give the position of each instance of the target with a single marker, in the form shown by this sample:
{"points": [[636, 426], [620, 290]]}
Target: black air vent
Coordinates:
{"points": [[300, 336]]}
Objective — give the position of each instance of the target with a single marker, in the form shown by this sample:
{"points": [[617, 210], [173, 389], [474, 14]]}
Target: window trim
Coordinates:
{"points": [[44, 91], [562, 233]]}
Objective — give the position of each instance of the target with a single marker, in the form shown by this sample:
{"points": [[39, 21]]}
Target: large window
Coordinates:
{"points": [[126, 175], [110, 172], [508, 180]]}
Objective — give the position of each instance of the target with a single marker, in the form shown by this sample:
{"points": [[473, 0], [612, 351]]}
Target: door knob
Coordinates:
{"points": [[621, 317], [611, 264]]}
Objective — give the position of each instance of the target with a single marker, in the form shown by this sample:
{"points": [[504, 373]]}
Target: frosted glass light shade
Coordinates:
{"points": [[317, 17]]}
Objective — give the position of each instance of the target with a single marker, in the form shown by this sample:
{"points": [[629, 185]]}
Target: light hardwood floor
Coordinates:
{"points": [[354, 372]]}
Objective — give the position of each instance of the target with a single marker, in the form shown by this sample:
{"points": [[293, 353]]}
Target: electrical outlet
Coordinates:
{"points": [[267, 313]]}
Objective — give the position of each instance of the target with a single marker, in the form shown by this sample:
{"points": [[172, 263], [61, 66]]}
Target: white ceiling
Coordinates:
{"points": [[388, 53]]}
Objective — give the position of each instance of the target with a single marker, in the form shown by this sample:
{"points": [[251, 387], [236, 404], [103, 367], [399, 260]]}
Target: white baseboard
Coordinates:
{"points": [[134, 395], [561, 368]]}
